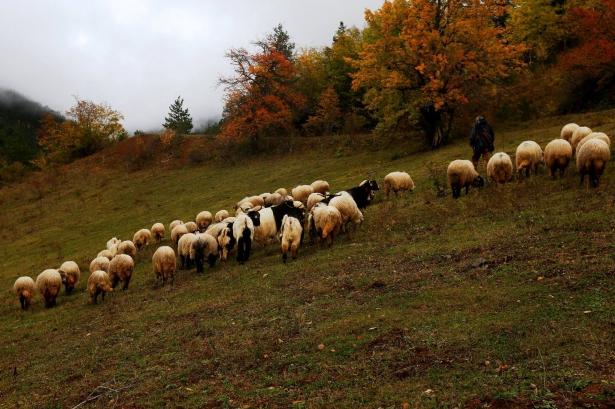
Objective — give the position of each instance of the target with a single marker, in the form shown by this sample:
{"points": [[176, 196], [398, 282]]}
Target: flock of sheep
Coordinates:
{"points": [[263, 219], [593, 151], [275, 216]]}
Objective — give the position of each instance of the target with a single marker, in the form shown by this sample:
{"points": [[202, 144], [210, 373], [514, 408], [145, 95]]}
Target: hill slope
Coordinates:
{"points": [[504, 297]]}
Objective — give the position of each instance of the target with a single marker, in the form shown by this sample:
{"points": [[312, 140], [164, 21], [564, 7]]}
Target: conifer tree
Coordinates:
{"points": [[179, 119]]}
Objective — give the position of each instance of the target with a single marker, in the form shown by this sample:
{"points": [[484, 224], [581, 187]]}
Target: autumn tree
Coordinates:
{"points": [[422, 60], [328, 115], [260, 97], [178, 119]]}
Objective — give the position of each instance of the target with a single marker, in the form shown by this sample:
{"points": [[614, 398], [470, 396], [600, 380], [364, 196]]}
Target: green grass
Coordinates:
{"points": [[482, 300]]}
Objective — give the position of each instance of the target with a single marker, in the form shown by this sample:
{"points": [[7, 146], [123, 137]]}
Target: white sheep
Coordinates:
{"points": [[112, 244], [282, 192], [142, 238], [24, 289], [290, 236], [98, 283], [348, 208], [184, 245], [579, 133], [203, 220], [177, 232], [70, 273], [595, 135], [120, 269], [99, 263], [105, 253], [568, 130], [500, 167], [158, 232], [301, 193], [175, 223], [592, 159], [49, 283], [127, 247], [204, 247], [324, 222], [221, 215], [461, 174], [528, 157], [320, 186], [557, 155], [313, 199], [191, 227], [164, 264], [397, 182], [250, 202]]}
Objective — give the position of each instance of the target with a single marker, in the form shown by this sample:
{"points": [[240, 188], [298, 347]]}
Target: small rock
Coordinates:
{"points": [[321, 346]]}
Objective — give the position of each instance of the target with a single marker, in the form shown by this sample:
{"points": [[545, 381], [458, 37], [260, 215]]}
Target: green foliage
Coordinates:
{"points": [[178, 119]]}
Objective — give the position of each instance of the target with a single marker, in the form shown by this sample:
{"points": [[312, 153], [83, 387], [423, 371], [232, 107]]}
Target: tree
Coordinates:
{"points": [[422, 60], [278, 40], [178, 119], [328, 116]]}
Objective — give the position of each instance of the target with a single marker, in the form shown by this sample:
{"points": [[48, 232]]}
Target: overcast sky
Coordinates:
{"points": [[138, 55]]}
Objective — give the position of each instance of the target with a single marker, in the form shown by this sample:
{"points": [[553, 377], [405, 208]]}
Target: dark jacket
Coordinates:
{"points": [[482, 136]]}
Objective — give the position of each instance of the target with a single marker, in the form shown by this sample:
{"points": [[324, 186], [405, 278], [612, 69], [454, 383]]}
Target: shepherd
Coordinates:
{"points": [[481, 140]]}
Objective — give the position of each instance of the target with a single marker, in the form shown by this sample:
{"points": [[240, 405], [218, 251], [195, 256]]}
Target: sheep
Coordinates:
{"points": [[397, 182], [230, 219], [313, 199], [290, 236], [112, 244], [592, 159], [500, 168], [158, 232], [127, 247], [99, 263], [282, 192], [271, 220], [226, 240], [324, 222], [70, 273], [24, 289], [579, 133], [142, 238], [568, 130], [183, 250], [164, 264], [221, 215], [203, 220], [215, 228], [597, 135], [364, 193], [121, 269], [461, 173], [272, 199], [98, 283], [105, 253], [49, 283], [348, 208], [302, 192], [527, 157], [250, 202], [320, 186], [191, 227], [175, 223], [243, 231], [204, 247], [177, 232], [557, 155]]}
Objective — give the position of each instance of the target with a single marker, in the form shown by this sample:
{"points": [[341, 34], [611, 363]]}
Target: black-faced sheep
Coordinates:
{"points": [[528, 157], [142, 238], [99, 263], [324, 222], [226, 240], [49, 283], [557, 154], [120, 269], [203, 220], [364, 193], [70, 273], [184, 245], [500, 168], [461, 174], [204, 248], [271, 220], [177, 232], [158, 232], [592, 159], [568, 130], [396, 182], [98, 283], [243, 230], [320, 186], [290, 236], [127, 247], [24, 289], [164, 264]]}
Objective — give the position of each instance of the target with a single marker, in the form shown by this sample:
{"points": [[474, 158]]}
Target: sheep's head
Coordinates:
{"points": [[255, 216], [478, 182]]}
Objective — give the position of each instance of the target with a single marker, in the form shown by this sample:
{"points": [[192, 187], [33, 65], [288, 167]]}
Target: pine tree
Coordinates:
{"points": [[179, 119]]}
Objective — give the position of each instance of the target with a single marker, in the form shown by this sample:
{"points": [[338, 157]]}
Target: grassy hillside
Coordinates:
{"points": [[504, 298]]}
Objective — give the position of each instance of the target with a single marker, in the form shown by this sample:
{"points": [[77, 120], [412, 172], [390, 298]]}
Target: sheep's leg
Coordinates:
{"points": [[582, 179], [126, 282], [22, 301], [103, 295], [212, 260], [284, 256], [248, 245], [527, 172]]}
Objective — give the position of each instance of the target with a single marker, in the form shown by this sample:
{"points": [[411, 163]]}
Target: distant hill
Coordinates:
{"points": [[19, 120]]}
